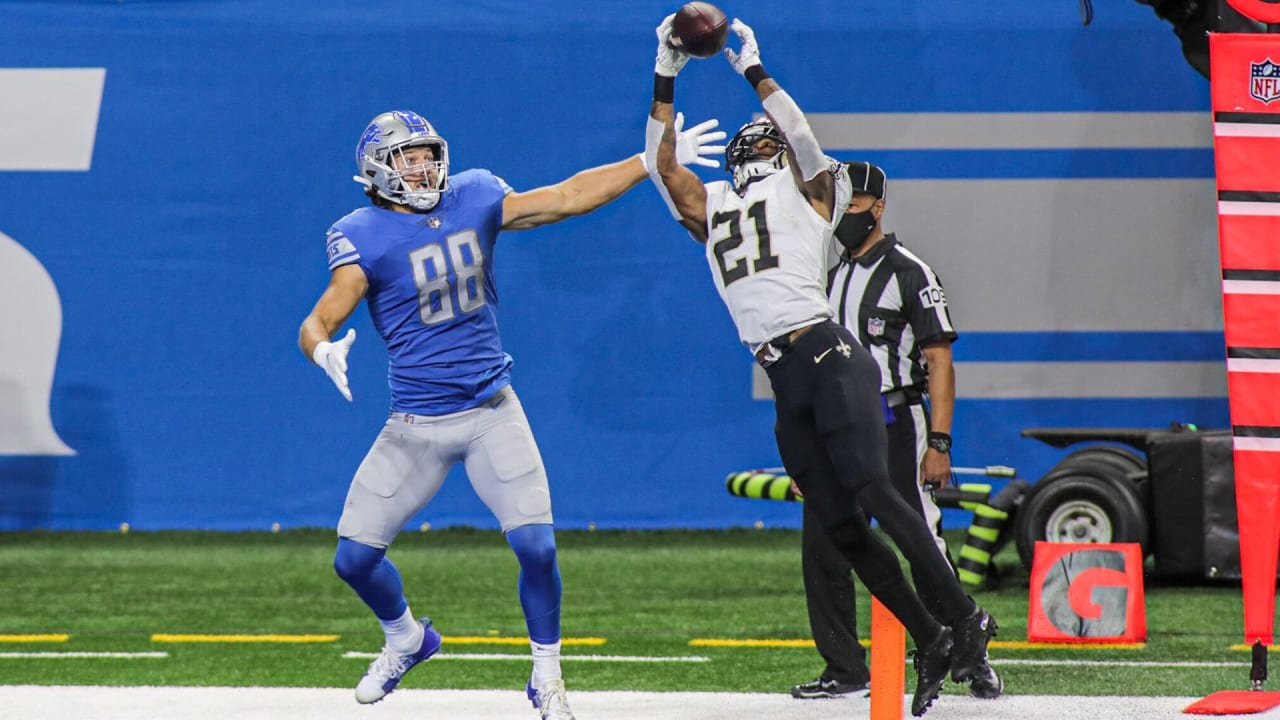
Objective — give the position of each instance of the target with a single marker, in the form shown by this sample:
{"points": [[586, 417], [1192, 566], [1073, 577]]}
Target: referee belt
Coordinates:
{"points": [[902, 396]]}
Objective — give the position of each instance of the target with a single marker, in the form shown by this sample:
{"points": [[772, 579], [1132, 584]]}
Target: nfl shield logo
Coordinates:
{"points": [[433, 221], [1264, 81], [875, 327]]}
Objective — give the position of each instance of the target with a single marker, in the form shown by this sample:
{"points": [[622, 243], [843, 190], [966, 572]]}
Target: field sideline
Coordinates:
{"points": [[655, 623], [98, 703]]}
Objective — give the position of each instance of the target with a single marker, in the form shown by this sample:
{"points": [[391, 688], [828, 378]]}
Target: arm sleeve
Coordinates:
{"points": [[925, 305], [653, 130], [795, 128]]}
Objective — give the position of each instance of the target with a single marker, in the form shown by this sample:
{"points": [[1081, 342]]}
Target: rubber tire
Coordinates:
{"points": [[1126, 460], [1089, 483], [1131, 466]]}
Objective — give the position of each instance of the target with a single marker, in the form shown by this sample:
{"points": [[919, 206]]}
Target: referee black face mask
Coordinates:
{"points": [[854, 228]]}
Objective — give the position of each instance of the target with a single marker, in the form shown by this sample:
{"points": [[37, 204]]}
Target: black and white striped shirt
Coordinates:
{"points": [[893, 302]]}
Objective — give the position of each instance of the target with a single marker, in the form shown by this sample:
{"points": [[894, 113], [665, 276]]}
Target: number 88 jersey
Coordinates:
{"points": [[769, 252], [431, 293]]}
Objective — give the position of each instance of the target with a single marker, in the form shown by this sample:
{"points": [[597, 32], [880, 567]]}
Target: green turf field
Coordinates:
{"points": [[644, 593]]}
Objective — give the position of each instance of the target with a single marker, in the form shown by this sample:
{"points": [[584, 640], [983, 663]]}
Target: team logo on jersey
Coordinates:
{"points": [[875, 327], [433, 222], [932, 296], [844, 348], [1264, 81]]}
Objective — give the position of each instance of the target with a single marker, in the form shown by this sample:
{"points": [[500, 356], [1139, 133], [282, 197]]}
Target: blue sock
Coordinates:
{"points": [[374, 578], [535, 548]]}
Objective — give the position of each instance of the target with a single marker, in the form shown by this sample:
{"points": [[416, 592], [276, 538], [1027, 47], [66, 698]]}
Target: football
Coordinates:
{"points": [[700, 29]]}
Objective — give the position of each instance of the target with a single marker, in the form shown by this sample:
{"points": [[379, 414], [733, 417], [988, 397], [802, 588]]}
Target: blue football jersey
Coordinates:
{"points": [[431, 293]]}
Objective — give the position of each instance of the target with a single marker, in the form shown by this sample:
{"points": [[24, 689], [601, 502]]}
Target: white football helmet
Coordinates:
{"points": [[743, 160], [381, 164]]}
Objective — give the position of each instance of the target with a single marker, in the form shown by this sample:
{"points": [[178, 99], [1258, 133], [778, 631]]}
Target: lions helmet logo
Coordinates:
{"points": [[372, 136]]}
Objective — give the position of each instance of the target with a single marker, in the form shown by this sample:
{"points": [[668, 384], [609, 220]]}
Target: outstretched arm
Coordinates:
{"points": [[578, 195], [809, 165], [688, 198]]}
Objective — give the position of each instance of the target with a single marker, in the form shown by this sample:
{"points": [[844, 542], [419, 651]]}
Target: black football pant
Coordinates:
{"points": [[832, 440], [828, 582]]}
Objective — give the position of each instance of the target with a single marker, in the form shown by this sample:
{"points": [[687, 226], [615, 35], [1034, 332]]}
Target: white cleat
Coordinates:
{"points": [[550, 700], [389, 667]]}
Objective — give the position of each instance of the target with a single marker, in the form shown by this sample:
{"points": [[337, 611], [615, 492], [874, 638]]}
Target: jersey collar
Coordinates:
{"points": [[877, 251]]}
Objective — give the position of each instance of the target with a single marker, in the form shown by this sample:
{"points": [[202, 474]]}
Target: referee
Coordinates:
{"points": [[893, 303]]}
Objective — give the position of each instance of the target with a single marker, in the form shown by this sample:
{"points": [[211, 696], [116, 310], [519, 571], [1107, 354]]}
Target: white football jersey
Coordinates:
{"points": [[769, 253]]}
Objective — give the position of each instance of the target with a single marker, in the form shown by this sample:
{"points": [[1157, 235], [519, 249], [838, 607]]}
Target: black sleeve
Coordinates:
{"points": [[925, 305]]}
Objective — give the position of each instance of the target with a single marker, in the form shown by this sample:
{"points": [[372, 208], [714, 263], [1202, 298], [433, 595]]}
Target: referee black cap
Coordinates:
{"points": [[867, 178]]}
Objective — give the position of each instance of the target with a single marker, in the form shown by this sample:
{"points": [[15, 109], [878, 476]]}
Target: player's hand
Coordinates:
{"points": [[694, 143], [935, 469], [332, 358], [749, 53], [670, 58]]}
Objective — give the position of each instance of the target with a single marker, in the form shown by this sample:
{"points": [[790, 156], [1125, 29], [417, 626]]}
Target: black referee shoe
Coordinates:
{"points": [[824, 687]]}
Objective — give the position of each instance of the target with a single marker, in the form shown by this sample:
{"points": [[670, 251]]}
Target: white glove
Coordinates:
{"points": [[670, 58], [332, 358], [749, 54], [693, 143]]}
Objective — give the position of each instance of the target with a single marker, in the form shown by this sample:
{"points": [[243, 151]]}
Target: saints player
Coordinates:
{"points": [[767, 235], [422, 257]]}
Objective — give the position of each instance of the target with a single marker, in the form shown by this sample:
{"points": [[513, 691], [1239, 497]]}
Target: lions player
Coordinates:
{"points": [[767, 236], [422, 257]]}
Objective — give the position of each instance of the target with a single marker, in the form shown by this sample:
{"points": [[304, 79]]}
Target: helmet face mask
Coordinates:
{"points": [[742, 157], [412, 179]]}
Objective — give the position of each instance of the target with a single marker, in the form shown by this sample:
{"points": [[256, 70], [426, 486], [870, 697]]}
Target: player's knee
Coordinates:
{"points": [[534, 546], [848, 534], [353, 560]]}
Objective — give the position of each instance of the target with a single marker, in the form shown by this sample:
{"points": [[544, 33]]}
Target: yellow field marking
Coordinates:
{"points": [[486, 640], [46, 637], [171, 638], [1245, 648], [1024, 645], [748, 643]]}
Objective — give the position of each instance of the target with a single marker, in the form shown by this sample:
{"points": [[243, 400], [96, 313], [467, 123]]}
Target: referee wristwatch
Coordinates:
{"points": [[940, 441]]}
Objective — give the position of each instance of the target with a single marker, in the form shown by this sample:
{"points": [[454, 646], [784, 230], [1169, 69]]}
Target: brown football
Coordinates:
{"points": [[699, 29]]}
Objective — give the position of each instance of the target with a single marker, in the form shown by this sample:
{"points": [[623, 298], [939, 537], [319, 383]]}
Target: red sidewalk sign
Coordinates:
{"points": [[1087, 593], [1245, 87]]}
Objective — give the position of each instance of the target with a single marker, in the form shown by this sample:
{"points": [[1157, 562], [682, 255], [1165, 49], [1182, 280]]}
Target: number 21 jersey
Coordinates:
{"points": [[769, 253]]}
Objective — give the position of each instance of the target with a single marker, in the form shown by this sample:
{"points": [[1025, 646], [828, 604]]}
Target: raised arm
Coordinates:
{"points": [[809, 165], [685, 195], [578, 195]]}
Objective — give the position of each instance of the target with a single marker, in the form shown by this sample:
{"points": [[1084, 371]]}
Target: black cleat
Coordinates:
{"points": [[971, 637], [824, 687], [986, 684], [931, 664]]}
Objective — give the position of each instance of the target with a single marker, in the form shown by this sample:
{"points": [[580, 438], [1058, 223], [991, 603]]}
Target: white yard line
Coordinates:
{"points": [[167, 703], [525, 657]]}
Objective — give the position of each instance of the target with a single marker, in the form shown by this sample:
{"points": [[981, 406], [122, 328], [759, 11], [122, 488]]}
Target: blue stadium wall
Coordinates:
{"points": [[164, 197]]}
